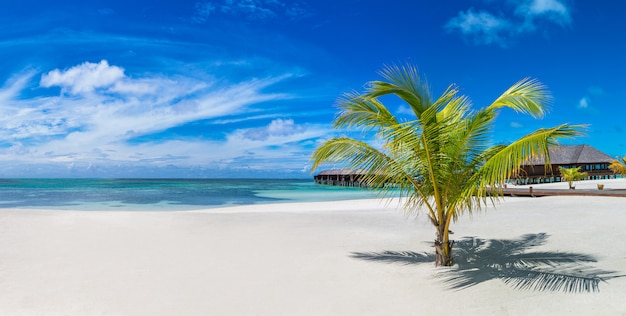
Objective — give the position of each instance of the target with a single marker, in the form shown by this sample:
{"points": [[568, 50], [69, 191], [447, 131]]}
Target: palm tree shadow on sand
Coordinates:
{"points": [[479, 260]]}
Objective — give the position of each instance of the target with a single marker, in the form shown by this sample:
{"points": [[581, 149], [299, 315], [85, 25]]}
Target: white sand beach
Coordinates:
{"points": [[299, 259]]}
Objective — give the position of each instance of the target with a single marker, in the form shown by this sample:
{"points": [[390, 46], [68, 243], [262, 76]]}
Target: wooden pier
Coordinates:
{"points": [[535, 192]]}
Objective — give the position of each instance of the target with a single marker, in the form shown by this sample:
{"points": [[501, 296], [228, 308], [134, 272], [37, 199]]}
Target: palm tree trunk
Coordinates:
{"points": [[443, 248]]}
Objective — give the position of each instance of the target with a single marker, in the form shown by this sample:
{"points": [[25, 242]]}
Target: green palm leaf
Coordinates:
{"points": [[528, 96], [404, 82]]}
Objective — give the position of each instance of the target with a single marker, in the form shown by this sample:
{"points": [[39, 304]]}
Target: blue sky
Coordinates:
{"points": [[247, 88]]}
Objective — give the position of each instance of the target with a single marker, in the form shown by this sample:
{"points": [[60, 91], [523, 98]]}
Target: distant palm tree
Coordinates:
{"points": [[441, 160], [619, 167], [572, 174]]}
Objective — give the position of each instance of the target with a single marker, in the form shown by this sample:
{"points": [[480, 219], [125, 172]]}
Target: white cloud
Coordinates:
{"points": [[96, 122], [280, 127], [551, 9], [483, 27], [516, 125], [94, 126], [549, 6], [285, 148], [542, 10], [277, 127], [404, 109], [583, 103], [256, 10], [14, 86], [136, 87], [83, 78]]}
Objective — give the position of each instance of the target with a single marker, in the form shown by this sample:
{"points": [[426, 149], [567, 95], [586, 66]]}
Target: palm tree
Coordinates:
{"points": [[440, 160], [572, 174], [619, 167]]}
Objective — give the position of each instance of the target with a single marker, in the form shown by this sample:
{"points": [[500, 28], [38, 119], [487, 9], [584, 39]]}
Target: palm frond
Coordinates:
{"points": [[528, 96], [486, 155], [472, 135], [503, 164], [453, 104], [380, 168], [404, 82], [618, 167], [389, 175], [366, 113]]}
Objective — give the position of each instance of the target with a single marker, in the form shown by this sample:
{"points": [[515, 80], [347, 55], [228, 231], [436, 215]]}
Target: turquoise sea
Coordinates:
{"points": [[165, 194]]}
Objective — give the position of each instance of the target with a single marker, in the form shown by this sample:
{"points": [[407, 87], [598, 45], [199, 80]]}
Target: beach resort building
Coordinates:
{"points": [[590, 160]]}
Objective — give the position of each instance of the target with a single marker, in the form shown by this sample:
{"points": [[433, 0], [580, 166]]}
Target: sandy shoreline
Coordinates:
{"points": [[293, 259]]}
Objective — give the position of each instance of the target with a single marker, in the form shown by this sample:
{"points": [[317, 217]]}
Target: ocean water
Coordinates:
{"points": [[165, 194]]}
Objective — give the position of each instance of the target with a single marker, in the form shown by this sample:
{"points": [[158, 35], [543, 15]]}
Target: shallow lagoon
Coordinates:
{"points": [[165, 194]]}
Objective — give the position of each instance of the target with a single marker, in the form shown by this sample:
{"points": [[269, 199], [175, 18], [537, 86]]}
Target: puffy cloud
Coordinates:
{"points": [[553, 10], [276, 128], [484, 27], [83, 78], [280, 127], [583, 103], [521, 17]]}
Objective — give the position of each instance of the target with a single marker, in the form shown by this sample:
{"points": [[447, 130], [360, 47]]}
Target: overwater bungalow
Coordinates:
{"points": [[341, 177]]}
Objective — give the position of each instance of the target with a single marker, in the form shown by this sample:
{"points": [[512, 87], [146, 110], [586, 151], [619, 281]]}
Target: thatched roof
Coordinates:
{"points": [[341, 172], [573, 154]]}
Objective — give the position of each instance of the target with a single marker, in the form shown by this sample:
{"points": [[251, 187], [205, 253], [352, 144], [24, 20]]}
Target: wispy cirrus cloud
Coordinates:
{"points": [[14, 85], [483, 27], [91, 114], [254, 10]]}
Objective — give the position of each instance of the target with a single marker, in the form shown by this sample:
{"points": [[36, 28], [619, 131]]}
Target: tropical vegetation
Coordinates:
{"points": [[619, 167], [442, 158], [572, 174]]}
